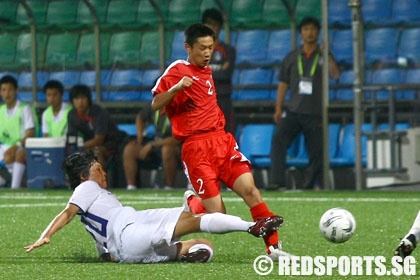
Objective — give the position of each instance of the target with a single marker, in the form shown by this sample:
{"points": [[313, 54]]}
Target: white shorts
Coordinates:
{"points": [[149, 238]]}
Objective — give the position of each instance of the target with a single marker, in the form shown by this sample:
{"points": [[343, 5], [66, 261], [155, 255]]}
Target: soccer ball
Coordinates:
{"points": [[337, 225]]}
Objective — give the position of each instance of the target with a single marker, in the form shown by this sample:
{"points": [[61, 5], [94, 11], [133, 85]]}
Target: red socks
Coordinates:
{"points": [[196, 205], [261, 211]]}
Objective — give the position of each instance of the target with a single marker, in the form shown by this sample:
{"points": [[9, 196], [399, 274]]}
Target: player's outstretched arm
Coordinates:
{"points": [[56, 224]]}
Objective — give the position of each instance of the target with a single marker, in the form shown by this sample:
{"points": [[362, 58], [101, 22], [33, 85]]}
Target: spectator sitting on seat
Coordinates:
{"points": [[54, 118], [164, 148], [18, 122], [222, 64], [93, 124]]}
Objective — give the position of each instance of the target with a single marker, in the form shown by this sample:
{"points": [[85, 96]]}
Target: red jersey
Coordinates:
{"points": [[193, 110]]}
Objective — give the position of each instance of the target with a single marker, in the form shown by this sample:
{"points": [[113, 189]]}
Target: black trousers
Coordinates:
{"points": [[285, 132]]}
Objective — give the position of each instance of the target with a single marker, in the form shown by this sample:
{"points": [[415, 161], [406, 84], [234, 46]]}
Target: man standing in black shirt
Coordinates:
{"points": [[222, 64], [301, 72]]}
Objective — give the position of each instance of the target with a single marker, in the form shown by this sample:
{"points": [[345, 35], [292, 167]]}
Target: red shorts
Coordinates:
{"points": [[211, 158]]}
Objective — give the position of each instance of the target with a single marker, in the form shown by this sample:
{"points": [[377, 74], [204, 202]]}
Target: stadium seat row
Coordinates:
{"points": [[261, 84], [255, 143], [248, 84], [118, 85]]}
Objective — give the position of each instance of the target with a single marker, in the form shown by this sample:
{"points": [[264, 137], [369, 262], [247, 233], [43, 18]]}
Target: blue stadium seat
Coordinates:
{"points": [[342, 46], [346, 155], [125, 85], [334, 139], [149, 80], [377, 12], [339, 13], [255, 143], [177, 49], [254, 84], [129, 128], [88, 78], [25, 85], [69, 78], [279, 44], [381, 44], [251, 47], [412, 77], [406, 12], [300, 159], [410, 45], [388, 76], [346, 78]]}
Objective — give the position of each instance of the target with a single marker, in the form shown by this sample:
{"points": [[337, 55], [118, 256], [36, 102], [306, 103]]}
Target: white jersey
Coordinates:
{"points": [[129, 235]]}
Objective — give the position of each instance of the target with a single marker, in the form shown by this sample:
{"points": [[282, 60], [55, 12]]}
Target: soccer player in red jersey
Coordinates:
{"points": [[210, 155]]}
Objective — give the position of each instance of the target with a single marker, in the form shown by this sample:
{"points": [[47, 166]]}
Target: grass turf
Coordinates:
{"points": [[382, 218]]}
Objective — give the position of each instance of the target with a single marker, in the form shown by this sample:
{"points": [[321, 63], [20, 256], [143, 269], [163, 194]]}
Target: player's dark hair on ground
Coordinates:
{"points": [[54, 84], [213, 14], [196, 31], [77, 165], [9, 79], [309, 20], [81, 90]]}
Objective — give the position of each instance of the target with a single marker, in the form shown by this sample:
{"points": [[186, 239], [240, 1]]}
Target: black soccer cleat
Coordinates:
{"points": [[264, 226], [199, 256], [406, 246]]}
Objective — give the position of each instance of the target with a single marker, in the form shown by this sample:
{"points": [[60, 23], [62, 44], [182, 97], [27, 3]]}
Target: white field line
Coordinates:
{"points": [[130, 200]]}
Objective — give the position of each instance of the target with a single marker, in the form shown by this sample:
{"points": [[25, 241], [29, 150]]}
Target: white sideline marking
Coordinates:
{"points": [[176, 200]]}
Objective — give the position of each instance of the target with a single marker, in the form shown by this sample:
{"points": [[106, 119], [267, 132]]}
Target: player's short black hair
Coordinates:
{"points": [[309, 20], [77, 165], [9, 79], [54, 84], [213, 14], [81, 90], [197, 30]]}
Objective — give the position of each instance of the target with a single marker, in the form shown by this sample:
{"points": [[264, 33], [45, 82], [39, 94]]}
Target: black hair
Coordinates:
{"points": [[54, 84], [309, 20], [213, 14], [80, 90], [9, 79], [77, 165], [197, 30]]}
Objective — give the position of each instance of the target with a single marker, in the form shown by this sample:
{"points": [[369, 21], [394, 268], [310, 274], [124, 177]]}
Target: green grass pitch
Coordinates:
{"points": [[382, 218]]}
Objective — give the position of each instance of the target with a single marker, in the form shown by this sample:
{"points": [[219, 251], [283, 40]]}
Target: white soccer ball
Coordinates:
{"points": [[337, 225]]}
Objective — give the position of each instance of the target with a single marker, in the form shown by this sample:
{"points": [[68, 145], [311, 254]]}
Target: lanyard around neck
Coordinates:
{"points": [[165, 124], [313, 67]]}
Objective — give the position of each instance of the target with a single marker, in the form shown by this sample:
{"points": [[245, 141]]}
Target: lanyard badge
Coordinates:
{"points": [[306, 83]]}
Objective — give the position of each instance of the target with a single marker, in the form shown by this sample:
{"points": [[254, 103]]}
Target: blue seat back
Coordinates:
{"points": [[251, 47], [255, 143]]}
